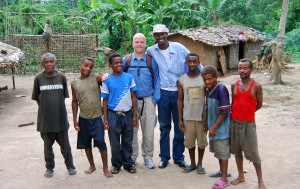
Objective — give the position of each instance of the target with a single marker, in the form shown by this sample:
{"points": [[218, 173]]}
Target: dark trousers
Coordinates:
{"points": [[167, 110], [120, 128], [62, 138]]}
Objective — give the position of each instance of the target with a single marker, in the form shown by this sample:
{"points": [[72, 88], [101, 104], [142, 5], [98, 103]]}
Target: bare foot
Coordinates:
{"points": [[261, 186], [90, 170], [107, 173], [237, 181]]}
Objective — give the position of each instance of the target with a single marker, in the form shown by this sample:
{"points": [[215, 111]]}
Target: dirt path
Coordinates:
{"points": [[21, 151]]}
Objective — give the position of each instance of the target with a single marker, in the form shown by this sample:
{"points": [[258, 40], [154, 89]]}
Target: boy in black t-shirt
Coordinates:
{"points": [[49, 91]]}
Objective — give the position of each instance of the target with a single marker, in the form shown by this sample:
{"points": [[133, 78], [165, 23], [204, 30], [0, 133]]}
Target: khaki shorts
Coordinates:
{"points": [[220, 148], [194, 130], [243, 138]]}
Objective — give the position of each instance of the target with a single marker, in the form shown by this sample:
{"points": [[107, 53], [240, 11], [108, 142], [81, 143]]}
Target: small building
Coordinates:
{"points": [[221, 46], [9, 55]]}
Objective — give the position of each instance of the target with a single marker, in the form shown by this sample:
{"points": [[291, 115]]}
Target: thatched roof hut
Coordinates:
{"points": [[217, 44], [9, 55]]}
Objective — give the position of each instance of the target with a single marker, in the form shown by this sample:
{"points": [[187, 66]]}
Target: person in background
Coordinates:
{"points": [[47, 35]]}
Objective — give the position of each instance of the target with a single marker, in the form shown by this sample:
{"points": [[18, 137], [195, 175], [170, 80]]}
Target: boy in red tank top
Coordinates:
{"points": [[246, 100]]}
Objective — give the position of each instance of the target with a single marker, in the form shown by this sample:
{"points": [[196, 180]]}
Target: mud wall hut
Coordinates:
{"points": [[221, 46]]}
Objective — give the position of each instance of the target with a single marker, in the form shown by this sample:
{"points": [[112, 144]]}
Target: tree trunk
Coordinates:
{"points": [[123, 37], [276, 74]]}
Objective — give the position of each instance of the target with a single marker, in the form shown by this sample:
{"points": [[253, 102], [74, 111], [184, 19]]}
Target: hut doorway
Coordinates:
{"points": [[241, 49]]}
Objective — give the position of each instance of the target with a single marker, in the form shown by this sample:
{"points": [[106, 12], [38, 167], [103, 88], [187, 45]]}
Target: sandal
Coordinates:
{"points": [[201, 170], [220, 184], [188, 169], [114, 170], [219, 174], [131, 170]]}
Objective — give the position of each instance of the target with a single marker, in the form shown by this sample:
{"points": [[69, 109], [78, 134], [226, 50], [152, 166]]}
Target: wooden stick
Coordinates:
{"points": [[26, 124]]}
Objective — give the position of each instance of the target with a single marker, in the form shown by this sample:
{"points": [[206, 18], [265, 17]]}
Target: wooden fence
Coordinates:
{"points": [[69, 49]]}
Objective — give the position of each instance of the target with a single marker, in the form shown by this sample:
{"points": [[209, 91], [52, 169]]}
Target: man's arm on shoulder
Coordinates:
{"points": [[259, 95], [99, 79]]}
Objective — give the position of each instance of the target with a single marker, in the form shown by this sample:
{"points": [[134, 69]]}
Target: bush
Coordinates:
{"points": [[292, 41]]}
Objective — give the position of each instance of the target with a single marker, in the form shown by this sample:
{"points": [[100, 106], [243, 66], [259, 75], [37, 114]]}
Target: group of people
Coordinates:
{"points": [[166, 75]]}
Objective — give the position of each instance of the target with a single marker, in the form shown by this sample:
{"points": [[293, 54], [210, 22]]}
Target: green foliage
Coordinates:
{"points": [[118, 20], [292, 41]]}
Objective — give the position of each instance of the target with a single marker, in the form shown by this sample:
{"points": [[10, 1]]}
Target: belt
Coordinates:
{"points": [[119, 113]]}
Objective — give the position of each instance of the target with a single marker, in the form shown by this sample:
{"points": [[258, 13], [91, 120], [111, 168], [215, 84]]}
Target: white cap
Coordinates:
{"points": [[159, 28]]}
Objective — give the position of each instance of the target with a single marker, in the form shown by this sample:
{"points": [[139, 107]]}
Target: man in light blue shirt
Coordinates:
{"points": [[170, 58], [148, 95]]}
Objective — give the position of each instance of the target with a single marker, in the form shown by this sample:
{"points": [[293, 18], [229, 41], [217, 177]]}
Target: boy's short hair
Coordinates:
{"points": [[87, 58], [244, 60], [210, 70], [193, 54], [46, 55], [111, 57]]}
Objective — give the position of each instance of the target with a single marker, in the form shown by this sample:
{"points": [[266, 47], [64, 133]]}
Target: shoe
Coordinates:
{"points": [[72, 171], [149, 164], [49, 173], [114, 170], [163, 164], [181, 164], [219, 174], [134, 159]]}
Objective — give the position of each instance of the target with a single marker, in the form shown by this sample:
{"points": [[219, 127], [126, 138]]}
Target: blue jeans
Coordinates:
{"points": [[167, 109]]}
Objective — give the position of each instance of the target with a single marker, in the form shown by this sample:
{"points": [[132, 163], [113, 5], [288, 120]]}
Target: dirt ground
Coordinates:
{"points": [[21, 150]]}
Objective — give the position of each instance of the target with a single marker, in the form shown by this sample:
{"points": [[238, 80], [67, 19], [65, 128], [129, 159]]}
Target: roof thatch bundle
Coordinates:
{"points": [[222, 35], [9, 55]]}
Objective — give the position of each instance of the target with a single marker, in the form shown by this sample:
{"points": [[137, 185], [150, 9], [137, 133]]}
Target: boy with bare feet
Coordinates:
{"points": [[246, 100], [86, 96], [218, 121]]}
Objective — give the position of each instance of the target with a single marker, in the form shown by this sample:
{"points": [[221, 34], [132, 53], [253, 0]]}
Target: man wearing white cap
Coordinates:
{"points": [[170, 57]]}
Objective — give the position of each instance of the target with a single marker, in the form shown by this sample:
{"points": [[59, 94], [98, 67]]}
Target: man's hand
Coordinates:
{"points": [[134, 121], [76, 126], [212, 131], [106, 126], [105, 76], [181, 126]]}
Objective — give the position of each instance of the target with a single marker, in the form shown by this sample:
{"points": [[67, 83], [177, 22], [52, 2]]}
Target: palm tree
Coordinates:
{"points": [[215, 5], [164, 10], [121, 12]]}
